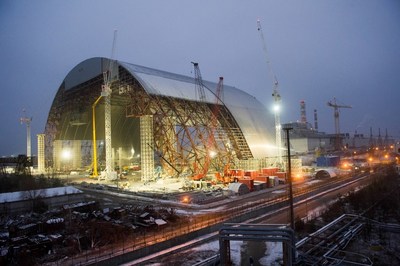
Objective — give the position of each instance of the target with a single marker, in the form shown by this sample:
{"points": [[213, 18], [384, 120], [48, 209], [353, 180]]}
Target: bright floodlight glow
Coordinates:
{"points": [[66, 154], [276, 108], [212, 154]]}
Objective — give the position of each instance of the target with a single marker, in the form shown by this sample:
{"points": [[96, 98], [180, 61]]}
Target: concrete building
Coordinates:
{"points": [[304, 139]]}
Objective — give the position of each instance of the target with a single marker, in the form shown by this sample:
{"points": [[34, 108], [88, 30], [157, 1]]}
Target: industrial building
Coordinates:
{"points": [[174, 125], [306, 138]]}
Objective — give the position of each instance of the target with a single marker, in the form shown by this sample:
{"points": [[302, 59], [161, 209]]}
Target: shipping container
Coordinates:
{"points": [[281, 175], [251, 173], [328, 161], [262, 178], [249, 182], [269, 171], [237, 172]]}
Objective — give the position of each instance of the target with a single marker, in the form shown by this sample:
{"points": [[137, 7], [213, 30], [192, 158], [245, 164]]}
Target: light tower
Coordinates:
{"points": [[27, 121], [276, 95]]}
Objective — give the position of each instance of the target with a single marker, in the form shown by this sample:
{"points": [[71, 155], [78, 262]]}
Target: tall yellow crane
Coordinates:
{"points": [[335, 106], [95, 173], [275, 94]]}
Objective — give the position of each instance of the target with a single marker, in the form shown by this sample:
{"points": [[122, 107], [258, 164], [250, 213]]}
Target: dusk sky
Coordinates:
{"points": [[348, 49]]}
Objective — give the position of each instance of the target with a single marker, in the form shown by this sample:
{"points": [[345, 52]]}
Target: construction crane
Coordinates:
{"points": [[335, 106], [200, 94], [275, 94], [108, 76], [219, 92], [94, 163], [27, 121]]}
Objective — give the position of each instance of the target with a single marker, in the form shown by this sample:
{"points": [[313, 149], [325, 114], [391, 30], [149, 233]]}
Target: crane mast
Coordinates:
{"points": [[336, 107], [216, 108], [199, 83], [106, 92], [275, 94]]}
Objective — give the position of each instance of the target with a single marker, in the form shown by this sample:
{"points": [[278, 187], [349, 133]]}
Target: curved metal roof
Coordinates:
{"points": [[252, 116]]}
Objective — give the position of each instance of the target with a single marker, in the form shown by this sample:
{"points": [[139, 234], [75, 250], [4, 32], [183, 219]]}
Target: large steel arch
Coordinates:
{"points": [[186, 137]]}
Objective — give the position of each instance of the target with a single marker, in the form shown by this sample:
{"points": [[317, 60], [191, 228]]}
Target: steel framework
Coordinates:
{"points": [[174, 132], [182, 129]]}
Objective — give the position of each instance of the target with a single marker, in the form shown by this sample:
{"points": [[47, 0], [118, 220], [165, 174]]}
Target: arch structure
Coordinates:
{"points": [[325, 173], [154, 114]]}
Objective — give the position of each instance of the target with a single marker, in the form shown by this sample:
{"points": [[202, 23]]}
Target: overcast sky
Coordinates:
{"points": [[348, 49]]}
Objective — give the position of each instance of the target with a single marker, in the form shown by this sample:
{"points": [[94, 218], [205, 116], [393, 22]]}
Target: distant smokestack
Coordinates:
{"points": [[379, 138], [371, 138], [315, 120], [303, 118], [386, 141]]}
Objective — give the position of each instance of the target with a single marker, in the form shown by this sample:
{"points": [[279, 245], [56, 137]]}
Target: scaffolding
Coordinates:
{"points": [[41, 159], [146, 146]]}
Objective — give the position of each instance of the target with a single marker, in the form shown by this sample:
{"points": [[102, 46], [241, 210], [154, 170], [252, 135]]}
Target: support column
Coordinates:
{"points": [[76, 154], [41, 157], [147, 147], [57, 148]]}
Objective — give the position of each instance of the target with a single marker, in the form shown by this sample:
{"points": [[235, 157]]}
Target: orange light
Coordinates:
{"points": [[297, 176], [185, 199]]}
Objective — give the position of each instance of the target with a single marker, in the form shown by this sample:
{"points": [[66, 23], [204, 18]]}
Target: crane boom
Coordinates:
{"points": [[275, 94], [199, 82]]}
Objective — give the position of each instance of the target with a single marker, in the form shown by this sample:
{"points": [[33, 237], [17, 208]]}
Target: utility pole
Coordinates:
{"points": [[289, 171]]}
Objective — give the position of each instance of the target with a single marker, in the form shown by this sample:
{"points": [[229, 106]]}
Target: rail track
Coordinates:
{"points": [[258, 202], [323, 246]]}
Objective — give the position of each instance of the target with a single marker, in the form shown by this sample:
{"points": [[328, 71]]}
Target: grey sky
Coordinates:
{"points": [[318, 50]]}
